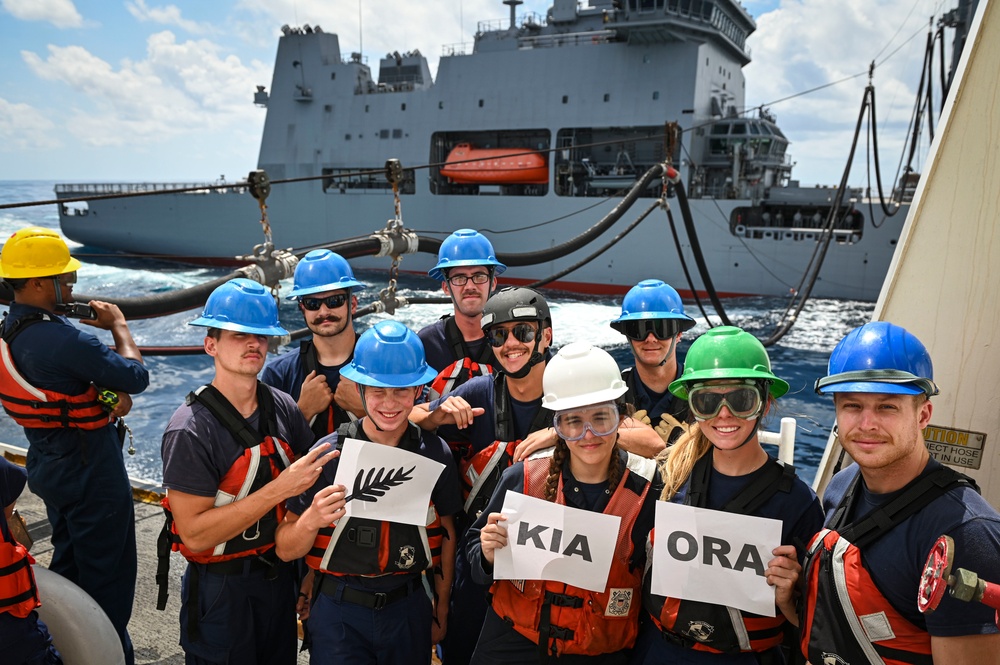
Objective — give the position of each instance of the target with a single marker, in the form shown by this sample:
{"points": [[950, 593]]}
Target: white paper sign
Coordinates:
{"points": [[386, 483], [714, 556], [547, 541]]}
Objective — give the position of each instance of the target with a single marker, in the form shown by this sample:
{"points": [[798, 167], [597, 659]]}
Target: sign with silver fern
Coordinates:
{"points": [[373, 485]]}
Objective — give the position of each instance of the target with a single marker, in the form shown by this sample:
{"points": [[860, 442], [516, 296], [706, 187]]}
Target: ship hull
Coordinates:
{"points": [[216, 228]]}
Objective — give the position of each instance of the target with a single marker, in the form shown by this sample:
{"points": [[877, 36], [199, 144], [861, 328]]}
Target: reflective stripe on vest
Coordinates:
{"points": [[581, 621]]}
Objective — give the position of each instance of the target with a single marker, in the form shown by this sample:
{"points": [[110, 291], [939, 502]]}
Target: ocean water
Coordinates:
{"points": [[799, 358]]}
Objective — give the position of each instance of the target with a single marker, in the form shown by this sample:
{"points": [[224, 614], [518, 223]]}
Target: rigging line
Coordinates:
{"points": [[602, 201], [898, 29], [896, 50], [687, 273]]}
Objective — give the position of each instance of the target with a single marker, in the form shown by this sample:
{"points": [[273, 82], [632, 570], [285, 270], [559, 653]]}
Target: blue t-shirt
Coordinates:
{"points": [[446, 495], [479, 392], [896, 560], [12, 480], [197, 450], [287, 373], [799, 510], [438, 350]]}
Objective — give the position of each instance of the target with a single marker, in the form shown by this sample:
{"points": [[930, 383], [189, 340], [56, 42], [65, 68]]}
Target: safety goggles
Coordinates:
{"points": [[523, 332], [476, 277], [331, 302], [639, 329], [743, 401], [572, 424], [67, 278]]}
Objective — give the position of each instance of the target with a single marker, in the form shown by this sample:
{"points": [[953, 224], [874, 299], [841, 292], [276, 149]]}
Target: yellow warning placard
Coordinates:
{"points": [[957, 447]]}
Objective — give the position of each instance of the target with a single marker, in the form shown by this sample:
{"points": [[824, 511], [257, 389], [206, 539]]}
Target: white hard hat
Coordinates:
{"points": [[581, 375]]}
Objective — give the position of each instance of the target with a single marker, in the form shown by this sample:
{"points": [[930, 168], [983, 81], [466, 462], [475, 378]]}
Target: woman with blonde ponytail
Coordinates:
{"points": [[530, 621], [719, 464]]}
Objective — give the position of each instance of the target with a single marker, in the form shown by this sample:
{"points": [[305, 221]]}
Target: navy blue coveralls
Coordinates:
{"points": [[80, 474]]}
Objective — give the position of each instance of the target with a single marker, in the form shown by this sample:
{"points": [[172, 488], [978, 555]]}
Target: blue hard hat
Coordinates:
{"points": [[322, 270], [389, 355], [241, 305], [465, 247], [879, 357], [653, 299]]}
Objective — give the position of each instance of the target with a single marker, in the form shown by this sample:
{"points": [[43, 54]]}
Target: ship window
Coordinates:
{"points": [[607, 97], [565, 99], [397, 133], [656, 94], [347, 137], [328, 107], [440, 105], [402, 107], [383, 133], [739, 128], [720, 129], [480, 103], [754, 128], [333, 76], [366, 108]]}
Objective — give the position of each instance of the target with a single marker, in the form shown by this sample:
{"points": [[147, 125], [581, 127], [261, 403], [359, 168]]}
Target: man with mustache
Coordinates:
{"points": [[324, 287], [456, 347], [884, 515], [229, 463]]}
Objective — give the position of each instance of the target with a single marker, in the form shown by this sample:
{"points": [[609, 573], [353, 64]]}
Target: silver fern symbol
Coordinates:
{"points": [[377, 483]]}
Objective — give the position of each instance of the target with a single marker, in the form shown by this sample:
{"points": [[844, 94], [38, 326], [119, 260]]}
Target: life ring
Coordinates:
{"points": [[79, 627]]}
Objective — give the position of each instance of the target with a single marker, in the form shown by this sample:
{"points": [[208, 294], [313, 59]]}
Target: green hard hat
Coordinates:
{"points": [[727, 352]]}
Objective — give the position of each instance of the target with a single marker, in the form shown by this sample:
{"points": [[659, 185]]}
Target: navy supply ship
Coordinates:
{"points": [[532, 135]]}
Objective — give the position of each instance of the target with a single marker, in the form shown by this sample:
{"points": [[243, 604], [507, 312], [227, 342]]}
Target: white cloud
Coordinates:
{"points": [[177, 90], [168, 15], [60, 13], [23, 127]]}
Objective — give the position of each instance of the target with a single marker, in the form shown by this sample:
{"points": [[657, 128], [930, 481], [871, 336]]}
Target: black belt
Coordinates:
{"points": [[376, 600], [243, 565]]}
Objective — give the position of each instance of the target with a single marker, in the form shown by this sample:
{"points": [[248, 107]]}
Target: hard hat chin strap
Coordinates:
{"points": [[364, 405], [58, 288]]}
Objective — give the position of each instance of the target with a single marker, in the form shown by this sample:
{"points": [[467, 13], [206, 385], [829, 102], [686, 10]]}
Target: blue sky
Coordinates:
{"points": [[107, 90]]}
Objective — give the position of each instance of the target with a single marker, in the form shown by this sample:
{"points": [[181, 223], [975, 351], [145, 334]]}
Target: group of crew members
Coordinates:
{"points": [[249, 465]]}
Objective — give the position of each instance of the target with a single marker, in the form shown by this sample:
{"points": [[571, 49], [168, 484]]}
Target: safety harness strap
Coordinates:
{"points": [[504, 412], [776, 477], [459, 349]]}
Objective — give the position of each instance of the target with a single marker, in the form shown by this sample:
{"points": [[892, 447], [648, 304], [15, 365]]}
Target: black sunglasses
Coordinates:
{"points": [[332, 302], [639, 329], [523, 332]]}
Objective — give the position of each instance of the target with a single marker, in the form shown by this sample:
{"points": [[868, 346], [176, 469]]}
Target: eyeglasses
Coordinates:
{"points": [[67, 278], [332, 302], [572, 425], [523, 332], [476, 277], [639, 329], [743, 401]]}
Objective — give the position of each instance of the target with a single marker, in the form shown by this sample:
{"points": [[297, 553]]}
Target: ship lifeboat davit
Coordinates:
{"points": [[79, 627], [495, 166]]}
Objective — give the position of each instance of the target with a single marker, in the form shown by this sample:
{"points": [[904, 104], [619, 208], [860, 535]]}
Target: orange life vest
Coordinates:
{"points": [[264, 457], [564, 619], [18, 593], [36, 408], [463, 367], [359, 546], [710, 627], [846, 619]]}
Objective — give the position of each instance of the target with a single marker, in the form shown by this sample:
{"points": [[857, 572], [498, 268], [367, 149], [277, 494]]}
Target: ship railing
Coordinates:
{"points": [[461, 48], [531, 20], [570, 39], [135, 187]]}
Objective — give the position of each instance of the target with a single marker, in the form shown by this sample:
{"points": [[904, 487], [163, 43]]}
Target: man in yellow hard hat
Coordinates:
{"points": [[52, 382]]}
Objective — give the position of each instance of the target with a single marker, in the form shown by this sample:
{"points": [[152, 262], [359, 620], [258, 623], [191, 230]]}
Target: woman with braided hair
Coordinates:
{"points": [[719, 464], [532, 620]]}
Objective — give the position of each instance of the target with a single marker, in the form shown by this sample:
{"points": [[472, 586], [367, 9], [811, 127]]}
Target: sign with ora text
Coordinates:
{"points": [[386, 483], [714, 556], [547, 541]]}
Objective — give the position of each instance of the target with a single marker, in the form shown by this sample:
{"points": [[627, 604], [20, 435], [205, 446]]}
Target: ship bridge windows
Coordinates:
{"points": [[606, 161], [498, 163]]}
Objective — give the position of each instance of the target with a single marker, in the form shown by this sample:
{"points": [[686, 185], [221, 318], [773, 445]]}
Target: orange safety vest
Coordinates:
{"points": [[846, 619], [464, 367], [702, 626], [36, 408], [18, 592], [564, 619], [377, 547]]}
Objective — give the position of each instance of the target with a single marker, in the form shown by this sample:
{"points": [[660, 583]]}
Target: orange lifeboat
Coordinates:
{"points": [[495, 166]]}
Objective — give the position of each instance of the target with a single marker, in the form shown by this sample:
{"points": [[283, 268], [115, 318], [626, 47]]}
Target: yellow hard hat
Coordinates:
{"points": [[35, 252]]}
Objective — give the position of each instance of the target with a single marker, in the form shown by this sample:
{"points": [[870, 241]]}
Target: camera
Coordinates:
{"points": [[76, 310]]}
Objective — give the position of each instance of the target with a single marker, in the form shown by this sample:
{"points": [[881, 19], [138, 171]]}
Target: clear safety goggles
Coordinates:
{"points": [[523, 332], [572, 424], [67, 278], [639, 329], [743, 401]]}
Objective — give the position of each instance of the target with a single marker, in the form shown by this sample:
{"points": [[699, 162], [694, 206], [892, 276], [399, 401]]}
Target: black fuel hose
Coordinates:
{"points": [[699, 257]]}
